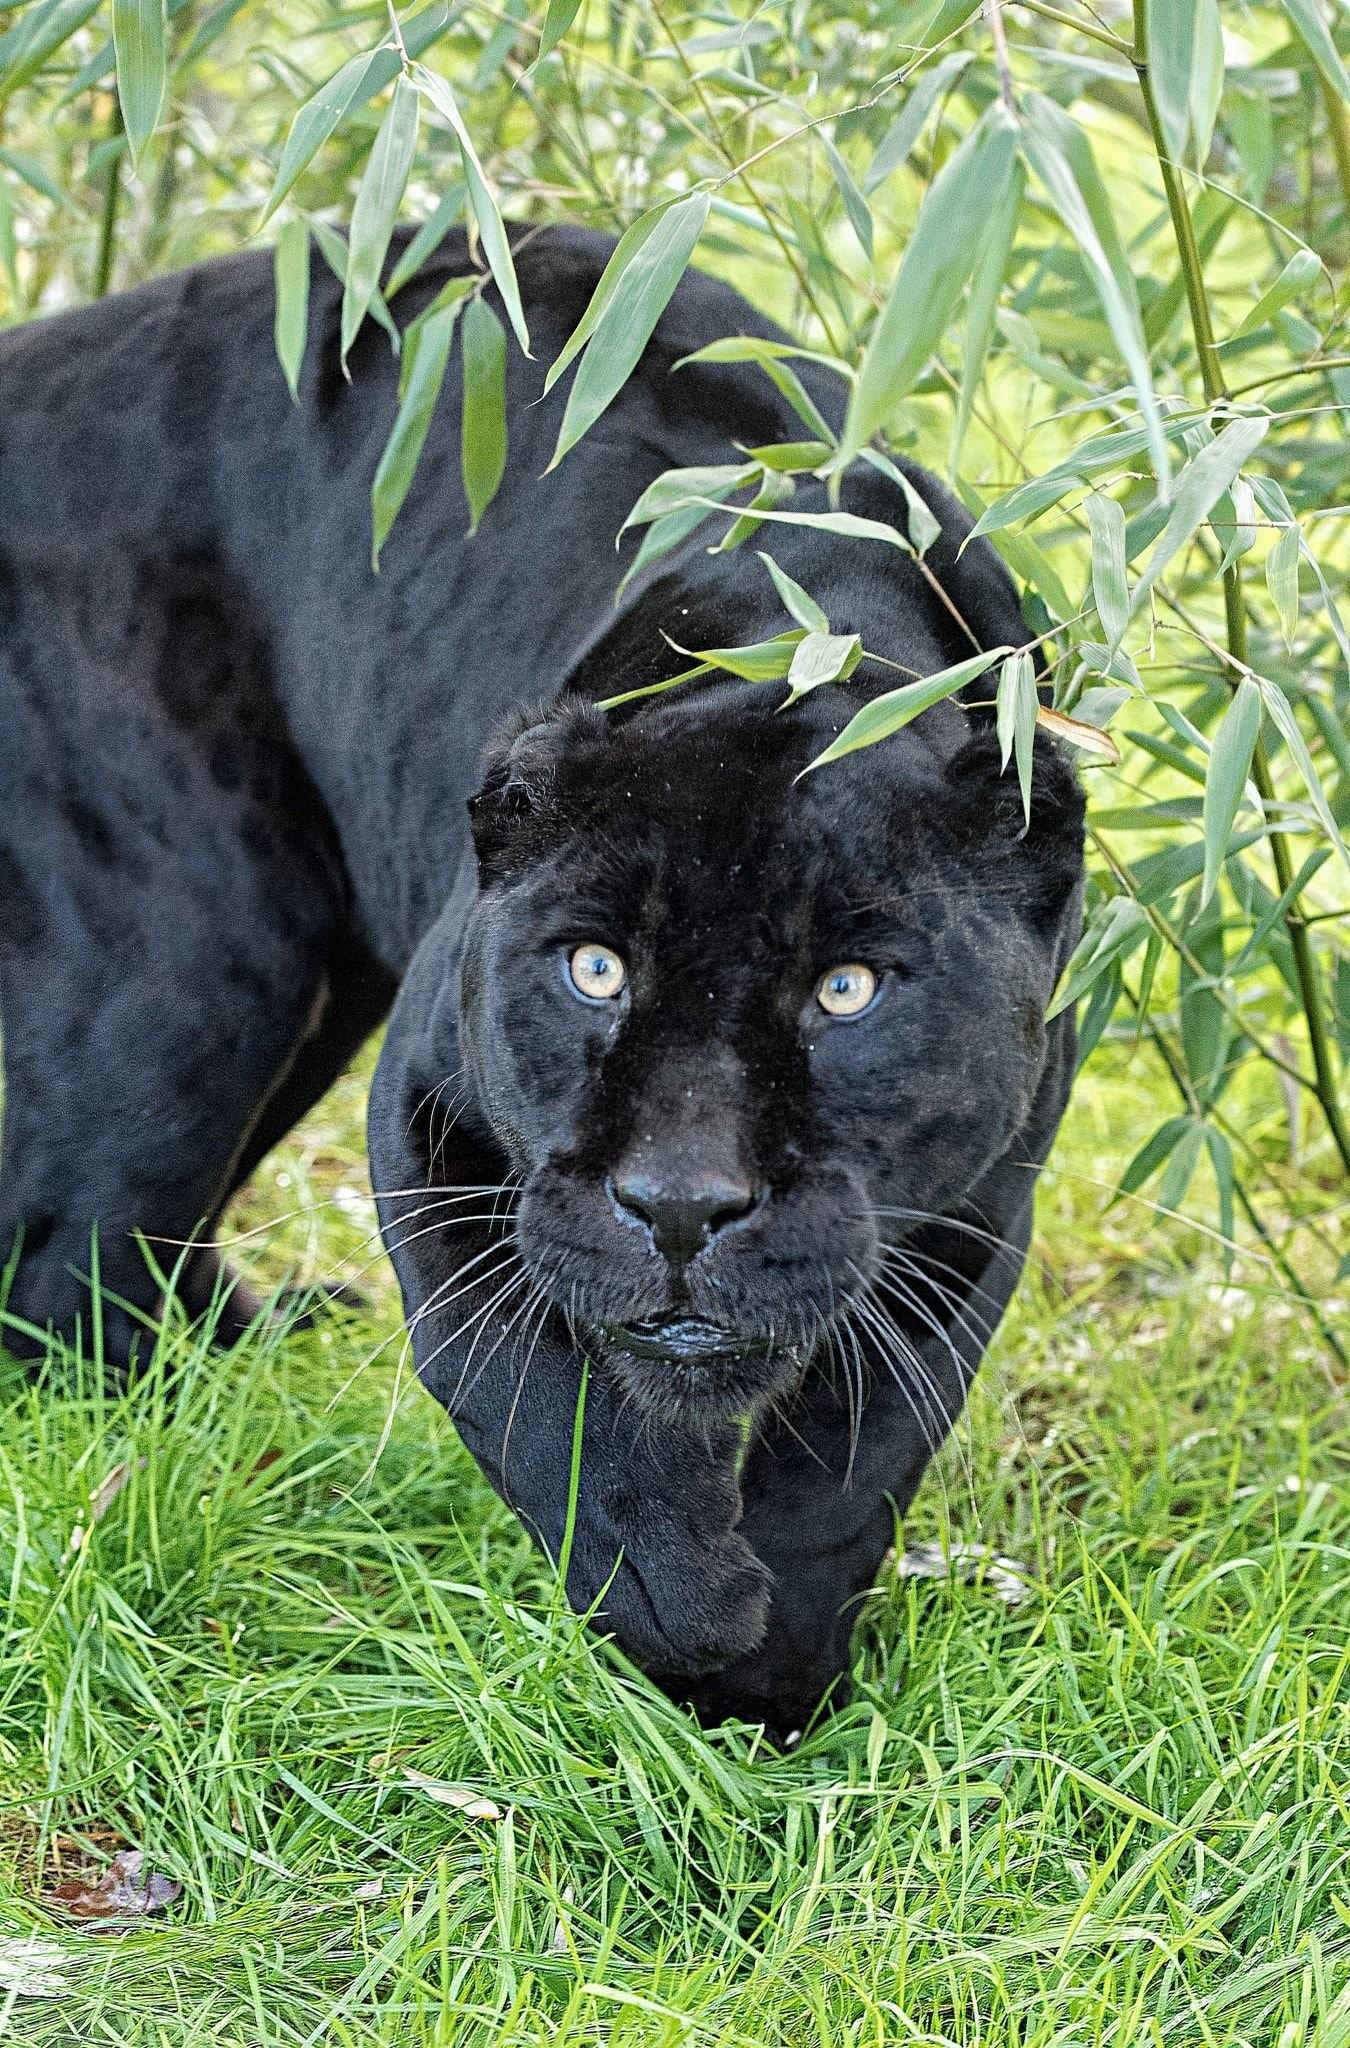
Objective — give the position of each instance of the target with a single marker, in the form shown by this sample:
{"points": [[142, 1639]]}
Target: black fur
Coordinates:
{"points": [[235, 796]]}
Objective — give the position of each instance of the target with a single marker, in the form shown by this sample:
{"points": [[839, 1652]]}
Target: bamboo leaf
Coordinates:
{"points": [[772, 358], [1061, 156], [1206, 1028], [424, 374], [848, 525], [1301, 271], [1221, 1160], [1110, 584], [1100, 452], [1185, 63], [789, 386], [774, 490], [1171, 37], [1239, 525], [291, 321], [1282, 580], [855, 206], [937, 261], [802, 607], [1180, 1169], [821, 658], [428, 239], [1151, 1155], [1089, 739], [1201, 485], [792, 458], [491, 231], [887, 714], [1108, 941], [700, 668], [923, 524], [378, 198], [627, 246], [762, 661], [483, 421], [1018, 704], [1281, 714], [754, 348], [334, 252], [900, 138], [26, 166], [1273, 501], [140, 38], [662, 536], [676, 489], [1207, 69], [637, 298], [40, 30], [356, 82], [982, 304], [1230, 760], [1311, 24], [559, 18]]}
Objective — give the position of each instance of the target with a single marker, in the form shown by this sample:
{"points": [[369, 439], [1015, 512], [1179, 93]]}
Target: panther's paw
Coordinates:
{"points": [[684, 1602], [785, 1707]]}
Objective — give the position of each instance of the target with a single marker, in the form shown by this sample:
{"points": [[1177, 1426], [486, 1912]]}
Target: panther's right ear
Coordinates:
{"points": [[517, 807]]}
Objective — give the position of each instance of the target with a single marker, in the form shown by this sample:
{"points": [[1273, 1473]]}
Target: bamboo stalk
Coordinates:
{"points": [[112, 194]]}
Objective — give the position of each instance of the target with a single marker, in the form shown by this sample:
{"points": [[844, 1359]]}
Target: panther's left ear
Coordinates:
{"points": [[1039, 863], [517, 807]]}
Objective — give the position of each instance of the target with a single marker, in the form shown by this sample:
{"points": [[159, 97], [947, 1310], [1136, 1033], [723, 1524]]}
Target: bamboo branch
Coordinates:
{"points": [[1235, 615], [112, 195]]}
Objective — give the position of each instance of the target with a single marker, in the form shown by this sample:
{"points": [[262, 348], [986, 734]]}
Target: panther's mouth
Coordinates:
{"points": [[683, 1365], [687, 1339]]}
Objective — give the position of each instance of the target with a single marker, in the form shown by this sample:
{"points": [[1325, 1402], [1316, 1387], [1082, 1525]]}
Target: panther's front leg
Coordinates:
{"points": [[826, 1478], [654, 1549], [654, 1553]]}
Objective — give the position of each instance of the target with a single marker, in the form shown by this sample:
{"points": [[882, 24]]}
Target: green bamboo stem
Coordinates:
{"points": [[1338, 130], [1094, 30], [1212, 378], [112, 194]]}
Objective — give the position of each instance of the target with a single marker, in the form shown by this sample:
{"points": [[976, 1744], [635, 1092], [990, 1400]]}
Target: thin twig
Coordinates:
{"points": [[993, 14]]}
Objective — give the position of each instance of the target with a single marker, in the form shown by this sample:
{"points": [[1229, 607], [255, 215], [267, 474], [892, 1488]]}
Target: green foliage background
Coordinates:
{"points": [[1086, 261]]}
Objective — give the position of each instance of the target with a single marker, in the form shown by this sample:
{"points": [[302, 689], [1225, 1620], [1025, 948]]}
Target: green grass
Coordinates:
{"points": [[1116, 1812]]}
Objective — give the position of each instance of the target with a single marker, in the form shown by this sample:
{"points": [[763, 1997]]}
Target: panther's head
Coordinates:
{"points": [[734, 1029]]}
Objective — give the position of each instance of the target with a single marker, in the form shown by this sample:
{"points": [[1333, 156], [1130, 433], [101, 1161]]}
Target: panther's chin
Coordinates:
{"points": [[682, 1364]]}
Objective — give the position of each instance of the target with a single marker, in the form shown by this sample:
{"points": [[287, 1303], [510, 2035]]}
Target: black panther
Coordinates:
{"points": [[713, 1092]]}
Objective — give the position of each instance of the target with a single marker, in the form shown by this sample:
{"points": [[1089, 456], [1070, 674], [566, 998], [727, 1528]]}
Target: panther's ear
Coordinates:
{"points": [[518, 805], [1042, 862]]}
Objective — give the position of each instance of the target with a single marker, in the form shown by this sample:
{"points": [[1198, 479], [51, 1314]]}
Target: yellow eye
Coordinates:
{"points": [[597, 973], [846, 991]]}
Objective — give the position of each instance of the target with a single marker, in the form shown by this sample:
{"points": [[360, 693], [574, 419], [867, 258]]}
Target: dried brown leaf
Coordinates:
{"points": [[102, 1498], [126, 1890], [1078, 733]]}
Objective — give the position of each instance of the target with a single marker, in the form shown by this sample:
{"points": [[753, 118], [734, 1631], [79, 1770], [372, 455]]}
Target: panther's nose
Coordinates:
{"points": [[684, 1212]]}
